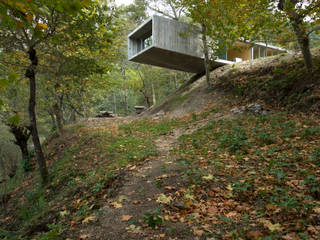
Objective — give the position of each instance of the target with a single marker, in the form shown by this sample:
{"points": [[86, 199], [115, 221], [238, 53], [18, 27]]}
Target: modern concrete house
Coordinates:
{"points": [[167, 43]]}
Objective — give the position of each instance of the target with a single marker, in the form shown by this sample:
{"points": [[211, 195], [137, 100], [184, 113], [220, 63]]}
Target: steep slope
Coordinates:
{"points": [[279, 82]]}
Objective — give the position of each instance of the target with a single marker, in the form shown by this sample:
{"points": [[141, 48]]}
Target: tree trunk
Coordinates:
{"points": [[154, 100], [304, 43], [206, 54], [175, 81], [30, 73], [53, 120], [123, 71], [114, 103], [73, 117], [57, 113], [21, 134]]}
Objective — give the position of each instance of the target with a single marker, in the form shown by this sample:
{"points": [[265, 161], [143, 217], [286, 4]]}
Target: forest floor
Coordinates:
{"points": [[213, 170]]}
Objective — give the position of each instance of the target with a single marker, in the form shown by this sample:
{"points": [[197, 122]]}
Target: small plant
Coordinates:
{"points": [[315, 156], [234, 141], [313, 185], [194, 117], [242, 188], [53, 234], [82, 212], [97, 187], [279, 174], [264, 137], [159, 183], [153, 218], [308, 133]]}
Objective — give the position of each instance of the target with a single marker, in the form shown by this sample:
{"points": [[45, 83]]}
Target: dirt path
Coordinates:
{"points": [[138, 194]]}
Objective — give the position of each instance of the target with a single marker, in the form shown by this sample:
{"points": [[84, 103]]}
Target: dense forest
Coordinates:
{"points": [[63, 63]]}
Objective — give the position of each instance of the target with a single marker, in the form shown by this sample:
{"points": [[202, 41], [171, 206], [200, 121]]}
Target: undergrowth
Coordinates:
{"points": [[256, 175], [86, 166]]}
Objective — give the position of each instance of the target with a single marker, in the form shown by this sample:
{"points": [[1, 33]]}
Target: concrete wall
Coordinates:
{"points": [[176, 36], [136, 38]]}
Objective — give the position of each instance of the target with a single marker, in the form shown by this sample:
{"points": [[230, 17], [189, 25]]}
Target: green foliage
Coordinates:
{"points": [[313, 184], [53, 234], [234, 141], [311, 132], [315, 156], [36, 206], [153, 218]]}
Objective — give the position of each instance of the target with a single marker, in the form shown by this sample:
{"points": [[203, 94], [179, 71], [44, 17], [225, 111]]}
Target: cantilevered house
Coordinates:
{"points": [[167, 43]]}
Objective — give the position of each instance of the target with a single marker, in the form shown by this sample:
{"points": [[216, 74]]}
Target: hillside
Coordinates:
{"points": [[237, 161], [279, 82]]}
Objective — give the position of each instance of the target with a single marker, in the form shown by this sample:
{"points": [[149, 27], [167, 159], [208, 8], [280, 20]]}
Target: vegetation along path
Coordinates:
{"points": [[139, 200]]}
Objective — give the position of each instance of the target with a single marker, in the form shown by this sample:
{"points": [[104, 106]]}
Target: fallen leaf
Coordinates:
{"points": [[208, 177], [317, 210], [212, 210], [164, 199], [198, 232], [133, 167], [89, 219], [125, 218], [290, 236], [116, 205], [272, 227], [254, 235], [63, 213]]}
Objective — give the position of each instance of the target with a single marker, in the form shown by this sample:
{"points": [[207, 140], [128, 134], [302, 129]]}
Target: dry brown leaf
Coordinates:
{"points": [[290, 236], [198, 232], [272, 227], [212, 210], [125, 218], [254, 235], [317, 210], [83, 236], [88, 219], [116, 205]]}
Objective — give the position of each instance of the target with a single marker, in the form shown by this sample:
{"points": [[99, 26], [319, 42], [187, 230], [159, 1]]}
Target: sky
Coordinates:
{"points": [[126, 2]]}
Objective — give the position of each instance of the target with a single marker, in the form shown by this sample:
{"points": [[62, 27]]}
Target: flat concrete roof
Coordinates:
{"points": [[143, 30]]}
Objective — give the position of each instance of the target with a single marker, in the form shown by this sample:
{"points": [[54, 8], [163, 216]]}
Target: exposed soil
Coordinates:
{"points": [[138, 194]]}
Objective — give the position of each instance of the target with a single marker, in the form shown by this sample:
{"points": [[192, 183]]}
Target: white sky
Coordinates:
{"points": [[126, 2]]}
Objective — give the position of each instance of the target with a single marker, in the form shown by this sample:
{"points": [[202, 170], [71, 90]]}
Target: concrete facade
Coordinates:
{"points": [[167, 43]]}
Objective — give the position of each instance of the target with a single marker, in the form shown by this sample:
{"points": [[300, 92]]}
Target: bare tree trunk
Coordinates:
{"points": [[22, 135], [114, 103], [296, 20], [30, 73], [144, 91], [304, 43], [154, 100], [53, 120], [123, 71], [175, 81], [73, 117], [206, 54], [146, 97], [57, 113]]}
